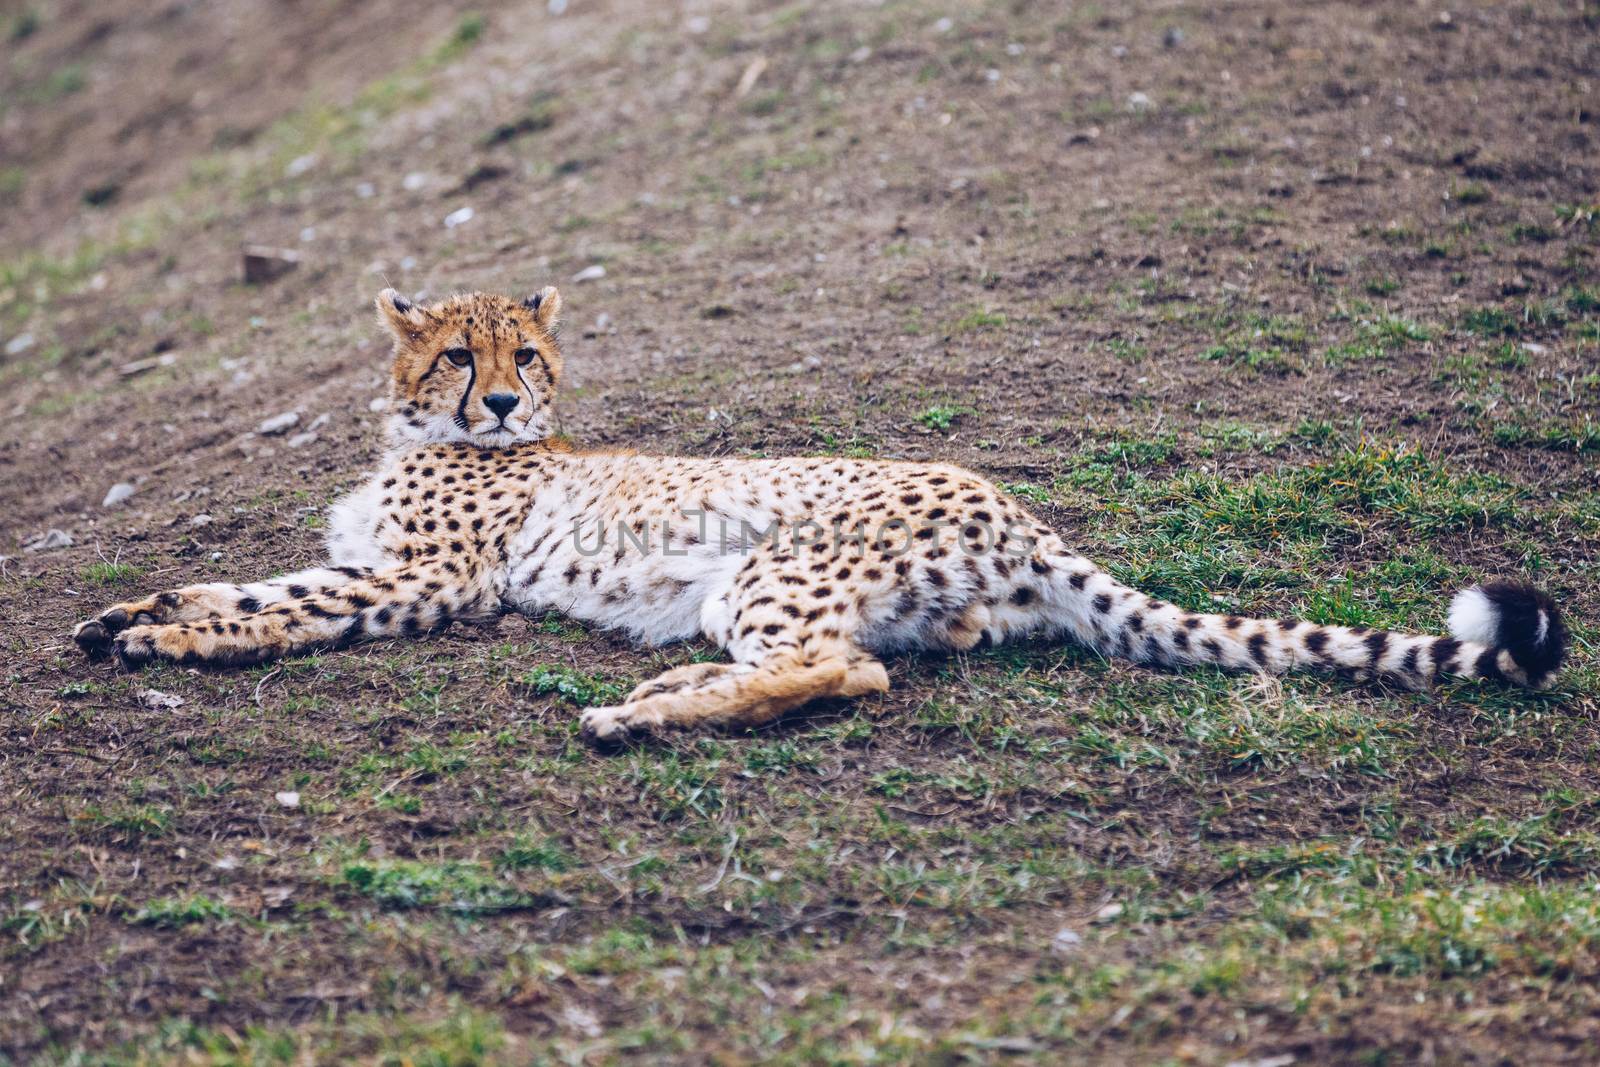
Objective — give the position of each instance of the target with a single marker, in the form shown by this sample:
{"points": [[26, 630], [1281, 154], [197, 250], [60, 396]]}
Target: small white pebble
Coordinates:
{"points": [[289, 799], [458, 217], [1066, 941], [279, 423]]}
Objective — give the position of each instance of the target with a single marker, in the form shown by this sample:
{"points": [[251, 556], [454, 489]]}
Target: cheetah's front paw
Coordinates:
{"points": [[96, 636]]}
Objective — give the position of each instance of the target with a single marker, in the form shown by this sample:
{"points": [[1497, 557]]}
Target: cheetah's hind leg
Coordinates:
{"points": [[737, 694], [689, 676]]}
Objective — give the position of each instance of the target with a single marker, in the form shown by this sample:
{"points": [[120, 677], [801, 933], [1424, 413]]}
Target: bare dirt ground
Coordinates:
{"points": [[1292, 309]]}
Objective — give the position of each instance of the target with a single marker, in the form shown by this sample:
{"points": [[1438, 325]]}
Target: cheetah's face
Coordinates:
{"points": [[481, 369]]}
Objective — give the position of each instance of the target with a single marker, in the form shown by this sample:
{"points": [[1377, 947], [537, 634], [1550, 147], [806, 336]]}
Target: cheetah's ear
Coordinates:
{"points": [[403, 318], [546, 307]]}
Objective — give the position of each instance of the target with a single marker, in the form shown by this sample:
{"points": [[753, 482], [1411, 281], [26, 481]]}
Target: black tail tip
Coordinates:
{"points": [[1516, 617]]}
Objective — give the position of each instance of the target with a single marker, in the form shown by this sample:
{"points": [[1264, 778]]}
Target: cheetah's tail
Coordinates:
{"points": [[1503, 631], [1519, 624]]}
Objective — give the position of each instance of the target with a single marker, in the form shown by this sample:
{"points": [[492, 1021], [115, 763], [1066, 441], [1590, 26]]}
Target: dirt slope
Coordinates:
{"points": [[1283, 310]]}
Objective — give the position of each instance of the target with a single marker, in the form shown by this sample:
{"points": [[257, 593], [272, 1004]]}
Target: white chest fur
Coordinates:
{"points": [[353, 527]]}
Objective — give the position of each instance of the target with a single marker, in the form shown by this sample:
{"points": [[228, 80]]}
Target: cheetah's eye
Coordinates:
{"points": [[524, 356], [459, 356]]}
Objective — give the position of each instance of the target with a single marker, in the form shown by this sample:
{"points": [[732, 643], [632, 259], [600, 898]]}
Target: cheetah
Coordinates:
{"points": [[806, 571]]}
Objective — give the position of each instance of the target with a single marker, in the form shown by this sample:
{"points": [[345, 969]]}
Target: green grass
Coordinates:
{"points": [[976, 320], [24, 24], [1378, 336], [942, 416], [468, 31], [1578, 435], [450, 885], [181, 911], [1194, 536], [112, 573], [13, 180], [1259, 343], [62, 81], [456, 1037], [1490, 322], [574, 686], [129, 822], [1033, 494], [526, 853]]}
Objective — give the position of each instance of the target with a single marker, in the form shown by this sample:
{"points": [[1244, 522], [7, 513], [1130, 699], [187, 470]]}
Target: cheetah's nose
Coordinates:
{"points": [[501, 404]]}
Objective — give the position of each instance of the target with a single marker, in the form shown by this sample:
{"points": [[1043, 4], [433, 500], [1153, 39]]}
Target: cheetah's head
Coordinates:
{"points": [[481, 369]]}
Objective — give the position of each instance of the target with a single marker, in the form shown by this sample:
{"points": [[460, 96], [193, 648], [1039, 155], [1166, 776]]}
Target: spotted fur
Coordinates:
{"points": [[474, 511]]}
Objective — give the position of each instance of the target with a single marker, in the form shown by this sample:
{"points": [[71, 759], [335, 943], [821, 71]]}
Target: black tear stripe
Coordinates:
{"points": [[461, 408], [533, 401]]}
